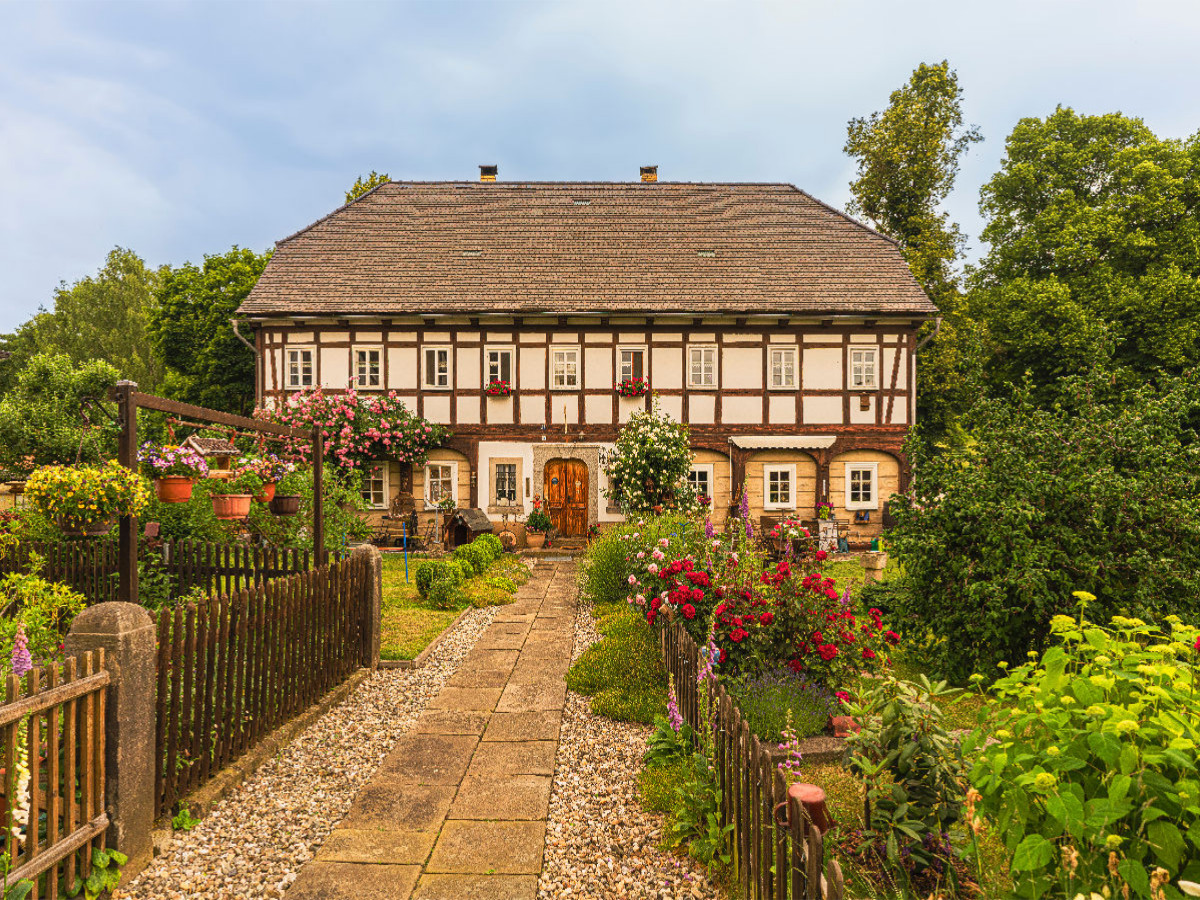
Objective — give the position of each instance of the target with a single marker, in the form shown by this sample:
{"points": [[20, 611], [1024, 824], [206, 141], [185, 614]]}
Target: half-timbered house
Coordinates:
{"points": [[783, 332]]}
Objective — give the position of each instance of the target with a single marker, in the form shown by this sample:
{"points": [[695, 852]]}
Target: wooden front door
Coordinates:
{"points": [[566, 493]]}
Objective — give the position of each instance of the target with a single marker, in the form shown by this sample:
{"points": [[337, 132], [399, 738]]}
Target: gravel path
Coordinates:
{"points": [[253, 843], [599, 841]]}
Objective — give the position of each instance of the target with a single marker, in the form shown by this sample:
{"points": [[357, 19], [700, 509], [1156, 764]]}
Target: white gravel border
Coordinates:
{"points": [[253, 843], [600, 843]]}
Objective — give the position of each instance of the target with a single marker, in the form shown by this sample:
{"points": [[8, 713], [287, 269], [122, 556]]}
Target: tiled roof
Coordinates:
{"points": [[562, 247], [211, 446]]}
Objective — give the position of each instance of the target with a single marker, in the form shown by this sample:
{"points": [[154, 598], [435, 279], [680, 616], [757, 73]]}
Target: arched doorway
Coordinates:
{"points": [[566, 493]]}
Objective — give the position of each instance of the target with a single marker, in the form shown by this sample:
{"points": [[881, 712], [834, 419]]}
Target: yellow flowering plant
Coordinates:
{"points": [[80, 498]]}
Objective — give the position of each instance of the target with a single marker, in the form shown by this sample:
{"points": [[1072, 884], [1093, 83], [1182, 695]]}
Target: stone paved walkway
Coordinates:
{"points": [[458, 809]]}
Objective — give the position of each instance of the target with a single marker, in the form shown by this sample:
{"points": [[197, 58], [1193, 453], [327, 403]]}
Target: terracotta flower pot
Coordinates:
{"points": [[268, 493], [174, 489], [231, 507], [285, 504], [534, 540]]}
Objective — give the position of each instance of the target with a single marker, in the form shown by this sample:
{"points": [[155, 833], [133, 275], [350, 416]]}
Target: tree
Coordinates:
{"points": [[649, 465], [907, 162], [366, 185], [103, 317], [1094, 227], [191, 330], [42, 417], [1089, 495]]}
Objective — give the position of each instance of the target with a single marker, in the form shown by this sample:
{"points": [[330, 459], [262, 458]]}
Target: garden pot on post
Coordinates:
{"points": [[174, 489], [231, 507]]}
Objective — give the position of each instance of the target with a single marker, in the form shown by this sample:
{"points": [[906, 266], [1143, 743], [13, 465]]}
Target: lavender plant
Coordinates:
{"points": [[777, 698]]}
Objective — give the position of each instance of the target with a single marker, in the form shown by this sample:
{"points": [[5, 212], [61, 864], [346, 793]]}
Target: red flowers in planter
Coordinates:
{"points": [[632, 387], [498, 389]]}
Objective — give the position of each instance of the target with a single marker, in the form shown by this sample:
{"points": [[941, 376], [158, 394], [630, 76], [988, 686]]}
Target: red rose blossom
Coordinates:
{"points": [[868, 653], [827, 651], [689, 611], [767, 618], [820, 556], [738, 634], [892, 638], [656, 603]]}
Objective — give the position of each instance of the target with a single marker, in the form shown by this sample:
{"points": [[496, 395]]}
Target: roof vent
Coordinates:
{"points": [[706, 253], [472, 253], [488, 173], [582, 202], [649, 173]]}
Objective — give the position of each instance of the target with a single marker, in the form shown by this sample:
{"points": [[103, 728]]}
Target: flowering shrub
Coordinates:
{"points": [[632, 387], [269, 467], [1093, 778], [82, 497], [358, 428], [649, 466], [824, 510], [498, 389], [42, 612], [171, 461]]}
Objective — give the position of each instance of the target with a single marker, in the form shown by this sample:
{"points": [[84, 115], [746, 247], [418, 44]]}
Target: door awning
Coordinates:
{"points": [[782, 441]]}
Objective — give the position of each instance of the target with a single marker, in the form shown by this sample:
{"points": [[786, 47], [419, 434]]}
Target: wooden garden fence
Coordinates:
{"points": [[88, 566], [772, 862], [234, 667], [52, 725]]}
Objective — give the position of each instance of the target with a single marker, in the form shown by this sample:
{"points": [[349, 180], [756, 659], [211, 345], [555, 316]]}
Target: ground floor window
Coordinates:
{"points": [[506, 484], [862, 491], [701, 479], [779, 487], [440, 483], [374, 486]]}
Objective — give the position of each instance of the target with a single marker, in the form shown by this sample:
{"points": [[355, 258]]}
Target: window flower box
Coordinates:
{"points": [[632, 387], [498, 389]]}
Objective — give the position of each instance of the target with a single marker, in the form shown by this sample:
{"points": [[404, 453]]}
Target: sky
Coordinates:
{"points": [[180, 129]]}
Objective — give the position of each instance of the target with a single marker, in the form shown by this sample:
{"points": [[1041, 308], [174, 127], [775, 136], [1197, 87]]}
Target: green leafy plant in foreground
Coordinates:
{"points": [[105, 875], [184, 820], [1093, 780]]}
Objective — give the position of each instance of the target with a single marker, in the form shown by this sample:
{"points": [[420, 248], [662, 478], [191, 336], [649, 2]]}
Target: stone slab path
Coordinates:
{"points": [[458, 809]]}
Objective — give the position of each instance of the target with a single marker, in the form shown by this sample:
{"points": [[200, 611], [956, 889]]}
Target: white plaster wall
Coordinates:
{"points": [[369, 337], [822, 411], [562, 405], [860, 416], [468, 411], [597, 410], [666, 368], [823, 368], [402, 368], [885, 374], [532, 337], [741, 367], [489, 450], [532, 375], [533, 410], [702, 408], [437, 408], [899, 412], [627, 406], [741, 410], [500, 410], [782, 410], [672, 407], [466, 369], [597, 367], [335, 368]]}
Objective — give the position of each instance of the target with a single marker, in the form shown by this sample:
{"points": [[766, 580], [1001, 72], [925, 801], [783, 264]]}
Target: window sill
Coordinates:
{"points": [[501, 510], [786, 389], [860, 508], [702, 387]]}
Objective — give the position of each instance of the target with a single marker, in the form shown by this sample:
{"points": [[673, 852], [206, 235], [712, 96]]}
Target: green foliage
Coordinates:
{"points": [[623, 672], [429, 571], [491, 544], [343, 505], [190, 330], [696, 818], [912, 767], [40, 421], [538, 521], [45, 608], [105, 874], [445, 592], [473, 557], [604, 568], [649, 466], [366, 184], [18, 890], [426, 570], [1103, 497], [184, 820], [769, 701], [1094, 259], [1092, 780], [658, 783], [666, 745]]}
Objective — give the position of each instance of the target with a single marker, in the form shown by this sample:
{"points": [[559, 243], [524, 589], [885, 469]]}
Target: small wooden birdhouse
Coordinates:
{"points": [[217, 452]]}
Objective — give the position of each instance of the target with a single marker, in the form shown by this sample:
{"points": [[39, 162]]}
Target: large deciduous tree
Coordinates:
{"points": [[366, 183], [908, 157], [192, 333], [1094, 227]]}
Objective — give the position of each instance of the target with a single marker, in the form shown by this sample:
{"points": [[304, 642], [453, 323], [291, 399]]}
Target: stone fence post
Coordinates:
{"points": [[126, 632], [373, 625]]}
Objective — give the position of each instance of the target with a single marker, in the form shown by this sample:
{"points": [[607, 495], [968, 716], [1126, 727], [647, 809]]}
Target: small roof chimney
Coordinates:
{"points": [[488, 173], [649, 173]]}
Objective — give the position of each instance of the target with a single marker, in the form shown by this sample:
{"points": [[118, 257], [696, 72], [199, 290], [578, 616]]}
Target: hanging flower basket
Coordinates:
{"points": [[286, 504], [174, 468], [267, 494], [632, 387], [174, 489], [88, 529], [231, 507], [84, 501], [498, 389]]}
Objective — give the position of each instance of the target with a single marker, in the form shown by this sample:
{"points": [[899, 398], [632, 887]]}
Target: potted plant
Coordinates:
{"points": [[86, 500], [174, 469], [231, 497], [286, 501], [499, 388], [632, 387], [537, 524], [270, 468], [824, 510]]}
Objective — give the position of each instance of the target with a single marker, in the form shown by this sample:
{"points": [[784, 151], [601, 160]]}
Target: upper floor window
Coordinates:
{"points": [[702, 366], [779, 487], [374, 486], [632, 363], [499, 365], [564, 367], [864, 368], [368, 368], [862, 489], [299, 368], [783, 367], [437, 368]]}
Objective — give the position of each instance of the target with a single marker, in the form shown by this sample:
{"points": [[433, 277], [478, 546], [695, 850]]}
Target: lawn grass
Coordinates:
{"points": [[409, 625]]}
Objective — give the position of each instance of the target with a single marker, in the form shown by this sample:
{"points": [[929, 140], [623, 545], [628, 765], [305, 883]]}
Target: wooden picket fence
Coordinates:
{"points": [[233, 668], [87, 566], [52, 721], [772, 862]]}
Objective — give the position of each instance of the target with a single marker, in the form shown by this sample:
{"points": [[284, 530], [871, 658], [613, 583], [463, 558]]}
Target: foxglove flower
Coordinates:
{"points": [[22, 662]]}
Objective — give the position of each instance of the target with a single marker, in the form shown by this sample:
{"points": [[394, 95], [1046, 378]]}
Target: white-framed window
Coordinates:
{"points": [[500, 366], [300, 368], [700, 477], [375, 486], [702, 366], [779, 487], [441, 481], [436, 368], [368, 367], [862, 485], [864, 368], [631, 363], [783, 368], [564, 368], [505, 491]]}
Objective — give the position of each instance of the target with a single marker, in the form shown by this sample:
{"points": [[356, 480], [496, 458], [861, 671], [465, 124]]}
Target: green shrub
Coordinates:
{"points": [[492, 544], [426, 571], [445, 592], [623, 672], [1093, 777], [765, 701], [604, 568], [43, 607], [474, 558]]}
